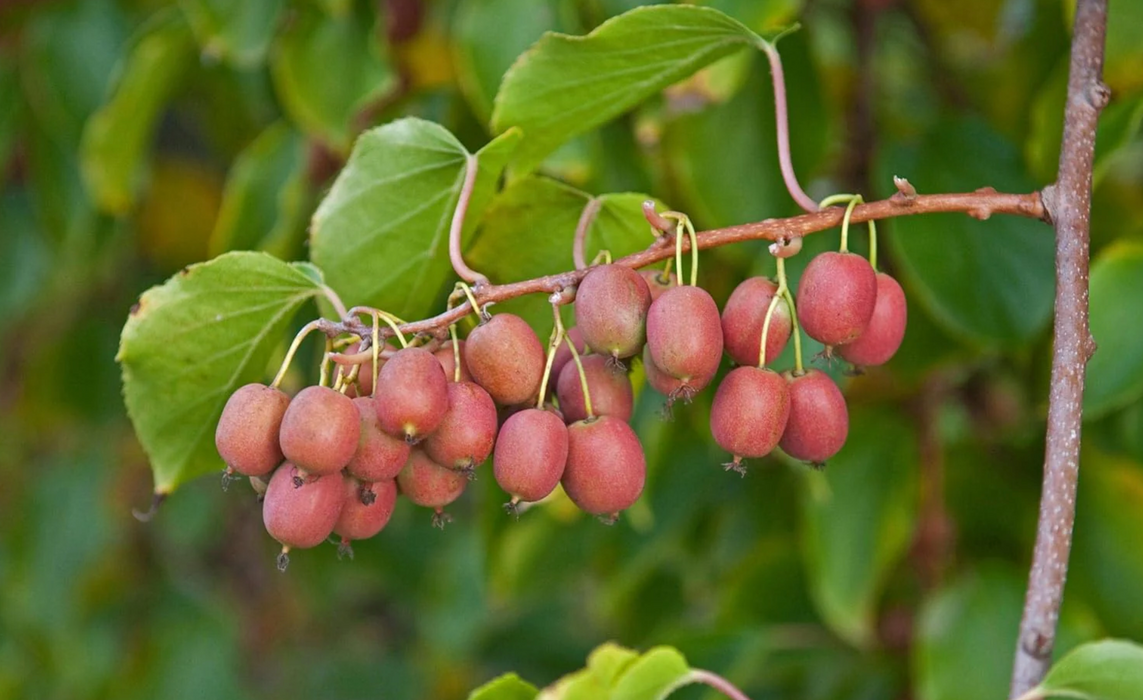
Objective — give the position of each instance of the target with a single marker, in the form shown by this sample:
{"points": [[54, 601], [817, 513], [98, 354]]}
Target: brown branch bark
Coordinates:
{"points": [[980, 204], [1068, 203]]}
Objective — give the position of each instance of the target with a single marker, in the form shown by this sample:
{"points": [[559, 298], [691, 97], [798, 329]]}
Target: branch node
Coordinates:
{"points": [[1090, 346], [1098, 95], [905, 189]]}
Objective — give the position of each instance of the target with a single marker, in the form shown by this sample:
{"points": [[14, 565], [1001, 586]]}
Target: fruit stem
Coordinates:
{"points": [[795, 329], [586, 219], [582, 378], [766, 326], [481, 315], [323, 377], [873, 244], [694, 250], [375, 350], [679, 251], [666, 276], [455, 353], [603, 255], [392, 324], [311, 326], [845, 222], [553, 345]]}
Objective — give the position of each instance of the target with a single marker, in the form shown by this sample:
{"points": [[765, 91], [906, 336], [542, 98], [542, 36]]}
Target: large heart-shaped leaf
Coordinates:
{"points": [[1115, 373], [859, 518], [992, 282], [381, 234], [566, 85], [191, 341]]}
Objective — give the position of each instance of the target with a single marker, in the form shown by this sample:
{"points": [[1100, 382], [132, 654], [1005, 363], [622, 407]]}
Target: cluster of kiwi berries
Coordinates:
{"points": [[332, 461]]}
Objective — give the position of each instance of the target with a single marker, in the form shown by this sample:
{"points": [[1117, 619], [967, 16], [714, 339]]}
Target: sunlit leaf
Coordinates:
{"points": [[191, 342], [1108, 670], [506, 687]]}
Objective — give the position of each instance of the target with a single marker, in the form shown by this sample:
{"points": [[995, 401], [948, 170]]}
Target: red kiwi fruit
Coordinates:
{"points": [[836, 297], [605, 468], [743, 318], [608, 386], [428, 484], [247, 432], [749, 413], [412, 394], [505, 357], [464, 438], [684, 333], [611, 305], [320, 430], [819, 419], [530, 454], [301, 516], [365, 510], [379, 455], [886, 329]]}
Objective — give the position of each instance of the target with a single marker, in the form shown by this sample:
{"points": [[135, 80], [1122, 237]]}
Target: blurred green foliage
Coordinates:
{"points": [[137, 137]]}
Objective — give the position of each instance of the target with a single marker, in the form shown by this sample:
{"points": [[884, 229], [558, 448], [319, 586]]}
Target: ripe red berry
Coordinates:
{"points": [[886, 328], [301, 516], [505, 357], [365, 510], [749, 413], [605, 468], [379, 455], [530, 454], [447, 358], [320, 430], [411, 395], [673, 388], [836, 296], [684, 333], [464, 438], [611, 310], [428, 484], [743, 318], [819, 420], [657, 282], [608, 386], [247, 432]]}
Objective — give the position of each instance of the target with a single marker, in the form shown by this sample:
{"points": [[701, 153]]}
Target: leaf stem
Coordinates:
{"points": [[586, 219], [463, 271], [711, 680], [782, 122]]}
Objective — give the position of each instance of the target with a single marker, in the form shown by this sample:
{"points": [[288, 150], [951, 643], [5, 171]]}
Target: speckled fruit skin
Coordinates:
{"points": [[750, 411], [359, 521], [412, 394], [743, 318], [465, 436], [247, 432], [379, 455], [886, 329], [672, 387], [605, 468], [609, 387], [611, 310], [819, 420], [563, 355], [428, 484], [836, 296], [505, 357], [320, 430], [448, 362], [657, 283], [684, 333], [530, 454], [302, 516]]}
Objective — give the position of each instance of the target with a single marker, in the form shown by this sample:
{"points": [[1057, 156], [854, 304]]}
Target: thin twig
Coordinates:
{"points": [[586, 219], [1068, 204], [466, 273]]}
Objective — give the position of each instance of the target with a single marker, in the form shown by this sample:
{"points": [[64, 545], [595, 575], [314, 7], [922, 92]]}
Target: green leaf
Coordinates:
{"points": [[381, 234], [1111, 669], [654, 675], [266, 199], [325, 69], [1115, 372], [506, 687], [608, 662], [488, 35], [566, 85], [528, 231], [859, 517], [966, 636], [992, 282], [191, 342], [238, 32], [117, 137]]}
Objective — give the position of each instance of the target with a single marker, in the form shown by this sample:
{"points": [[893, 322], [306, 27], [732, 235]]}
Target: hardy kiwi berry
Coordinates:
{"points": [[605, 468], [379, 455], [836, 296], [464, 438], [818, 422], [301, 516], [247, 432], [743, 318], [658, 282], [505, 357], [365, 509], [749, 413], [531, 451], [447, 358], [320, 430], [411, 395], [609, 388], [684, 334], [611, 310], [886, 328], [428, 484]]}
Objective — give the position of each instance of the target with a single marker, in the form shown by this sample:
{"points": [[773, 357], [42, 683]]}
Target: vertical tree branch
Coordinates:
{"points": [[1068, 204]]}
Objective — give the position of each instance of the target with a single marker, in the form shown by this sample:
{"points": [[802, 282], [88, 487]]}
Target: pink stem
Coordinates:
{"points": [[471, 167], [715, 681], [783, 128], [590, 210]]}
